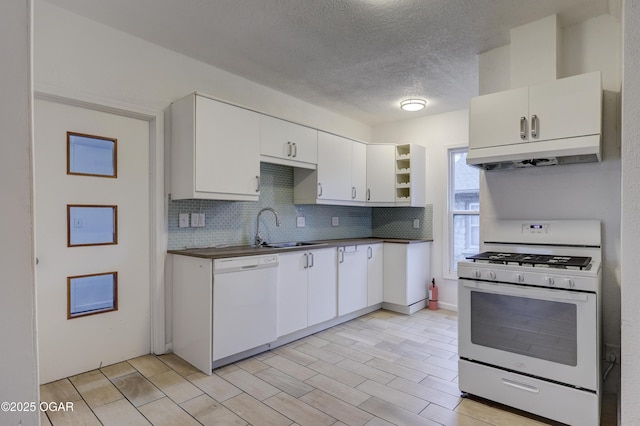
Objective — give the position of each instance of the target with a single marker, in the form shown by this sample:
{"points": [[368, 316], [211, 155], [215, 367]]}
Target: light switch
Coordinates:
{"points": [[184, 220], [300, 222], [416, 223], [335, 221], [195, 220], [201, 223]]}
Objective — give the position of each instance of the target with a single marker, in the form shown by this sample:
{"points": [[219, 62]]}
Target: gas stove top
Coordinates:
{"points": [[535, 260]]}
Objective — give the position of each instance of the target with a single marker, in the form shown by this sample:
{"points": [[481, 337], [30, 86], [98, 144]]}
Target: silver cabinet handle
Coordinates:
{"points": [[306, 261], [369, 252], [353, 192], [534, 126], [523, 127], [368, 194], [289, 149], [341, 253], [257, 183], [295, 150], [319, 189], [311, 257]]}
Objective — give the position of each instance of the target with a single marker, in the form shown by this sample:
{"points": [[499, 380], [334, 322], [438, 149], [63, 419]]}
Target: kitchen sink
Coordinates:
{"points": [[292, 244]]}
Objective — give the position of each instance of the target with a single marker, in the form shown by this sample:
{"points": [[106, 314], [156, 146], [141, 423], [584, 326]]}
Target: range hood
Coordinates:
{"points": [[582, 149]]}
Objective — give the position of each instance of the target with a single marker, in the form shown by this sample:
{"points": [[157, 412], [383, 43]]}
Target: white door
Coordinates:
{"points": [[567, 107], [82, 343], [292, 292], [359, 171], [334, 167], [381, 173], [498, 118]]}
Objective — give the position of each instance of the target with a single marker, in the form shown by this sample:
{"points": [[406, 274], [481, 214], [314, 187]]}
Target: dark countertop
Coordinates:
{"points": [[246, 250]]}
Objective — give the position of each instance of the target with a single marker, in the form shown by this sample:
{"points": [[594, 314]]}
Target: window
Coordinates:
{"points": [[464, 208], [92, 294]]}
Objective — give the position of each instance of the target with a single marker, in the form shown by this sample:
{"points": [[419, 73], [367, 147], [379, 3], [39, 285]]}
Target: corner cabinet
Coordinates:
{"points": [[286, 143], [215, 150], [565, 108], [407, 274], [340, 177]]}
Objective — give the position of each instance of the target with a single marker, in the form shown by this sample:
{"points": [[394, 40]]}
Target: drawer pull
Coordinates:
{"points": [[521, 386]]}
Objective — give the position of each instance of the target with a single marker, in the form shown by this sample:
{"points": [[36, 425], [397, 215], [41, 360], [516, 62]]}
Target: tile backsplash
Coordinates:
{"points": [[234, 222]]}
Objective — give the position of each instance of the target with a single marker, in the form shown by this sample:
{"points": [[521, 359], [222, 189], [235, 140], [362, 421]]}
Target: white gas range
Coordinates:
{"points": [[529, 312]]}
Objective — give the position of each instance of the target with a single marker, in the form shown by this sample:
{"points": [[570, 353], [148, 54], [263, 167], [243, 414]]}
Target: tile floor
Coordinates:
{"points": [[380, 369]]}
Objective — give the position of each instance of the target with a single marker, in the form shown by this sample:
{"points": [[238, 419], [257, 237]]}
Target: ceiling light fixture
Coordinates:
{"points": [[412, 104]]}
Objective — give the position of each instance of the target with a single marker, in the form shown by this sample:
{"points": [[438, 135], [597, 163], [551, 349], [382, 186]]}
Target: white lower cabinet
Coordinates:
{"points": [[407, 274], [306, 289], [375, 274], [352, 279]]}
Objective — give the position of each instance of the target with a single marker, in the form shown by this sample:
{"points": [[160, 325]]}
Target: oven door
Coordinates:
{"points": [[548, 333]]}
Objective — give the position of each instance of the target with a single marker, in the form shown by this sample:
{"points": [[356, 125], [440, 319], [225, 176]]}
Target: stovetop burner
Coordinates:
{"points": [[563, 262]]}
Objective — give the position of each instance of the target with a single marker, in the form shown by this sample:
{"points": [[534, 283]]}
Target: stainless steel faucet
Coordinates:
{"points": [[259, 240]]}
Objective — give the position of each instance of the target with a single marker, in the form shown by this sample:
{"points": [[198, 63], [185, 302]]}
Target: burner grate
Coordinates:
{"points": [[563, 262]]}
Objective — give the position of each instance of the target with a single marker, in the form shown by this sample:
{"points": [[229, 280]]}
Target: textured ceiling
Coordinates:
{"points": [[358, 58]]}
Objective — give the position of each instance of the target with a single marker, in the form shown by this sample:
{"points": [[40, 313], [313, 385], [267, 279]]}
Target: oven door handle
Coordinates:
{"points": [[527, 292]]}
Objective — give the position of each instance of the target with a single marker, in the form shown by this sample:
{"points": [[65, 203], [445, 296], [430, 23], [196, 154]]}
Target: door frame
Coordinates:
{"points": [[158, 201]]}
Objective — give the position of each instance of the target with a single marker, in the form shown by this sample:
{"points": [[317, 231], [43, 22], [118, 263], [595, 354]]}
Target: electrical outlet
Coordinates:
{"points": [[184, 220], [611, 351], [300, 222], [416, 223], [335, 221]]}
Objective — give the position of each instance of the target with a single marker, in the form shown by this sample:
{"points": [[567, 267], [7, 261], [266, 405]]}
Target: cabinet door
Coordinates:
{"points": [[352, 279], [292, 292], [566, 108], [375, 274], [359, 171], [334, 167], [322, 294], [289, 141], [381, 173], [227, 153], [495, 119]]}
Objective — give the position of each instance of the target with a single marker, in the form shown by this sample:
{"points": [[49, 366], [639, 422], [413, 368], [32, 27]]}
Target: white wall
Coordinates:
{"points": [[77, 55], [79, 58], [437, 133], [630, 240], [18, 369]]}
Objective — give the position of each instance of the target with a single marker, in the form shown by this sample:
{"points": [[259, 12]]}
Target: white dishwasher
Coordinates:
{"points": [[244, 303]]}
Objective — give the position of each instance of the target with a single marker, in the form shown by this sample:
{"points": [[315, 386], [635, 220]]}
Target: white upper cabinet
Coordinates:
{"points": [[358, 172], [214, 150], [286, 143], [334, 167], [381, 174], [565, 108], [495, 119], [340, 177]]}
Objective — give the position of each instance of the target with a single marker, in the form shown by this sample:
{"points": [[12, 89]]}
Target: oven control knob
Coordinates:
{"points": [[492, 275], [519, 278], [476, 273], [550, 281], [570, 282]]}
